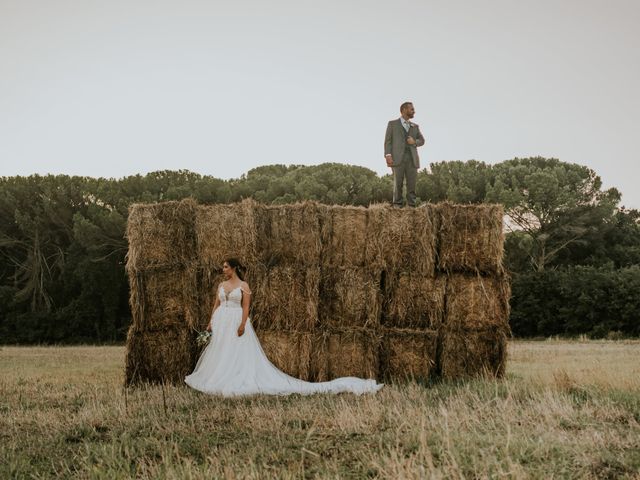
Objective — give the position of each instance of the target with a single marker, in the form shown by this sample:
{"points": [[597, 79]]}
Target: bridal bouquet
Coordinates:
{"points": [[203, 338]]}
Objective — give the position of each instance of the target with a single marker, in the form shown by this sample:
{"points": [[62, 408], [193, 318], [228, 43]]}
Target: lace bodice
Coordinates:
{"points": [[232, 298]]}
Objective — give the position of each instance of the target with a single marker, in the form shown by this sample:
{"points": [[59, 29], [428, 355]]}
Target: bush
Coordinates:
{"points": [[578, 300]]}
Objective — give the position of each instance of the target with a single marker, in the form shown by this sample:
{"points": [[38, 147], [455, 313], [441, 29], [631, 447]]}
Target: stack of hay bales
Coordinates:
{"points": [[347, 338], [163, 292], [473, 337], [406, 242], [372, 292], [286, 284]]}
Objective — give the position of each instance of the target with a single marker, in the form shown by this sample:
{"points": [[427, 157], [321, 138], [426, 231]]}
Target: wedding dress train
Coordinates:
{"points": [[234, 366]]}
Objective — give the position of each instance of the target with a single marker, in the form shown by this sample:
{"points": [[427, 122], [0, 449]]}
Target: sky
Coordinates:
{"points": [[117, 88]]}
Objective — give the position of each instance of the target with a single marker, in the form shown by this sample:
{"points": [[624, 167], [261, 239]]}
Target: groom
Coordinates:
{"points": [[401, 153]]}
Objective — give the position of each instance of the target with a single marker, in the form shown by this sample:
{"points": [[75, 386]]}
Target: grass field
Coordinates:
{"points": [[565, 410]]}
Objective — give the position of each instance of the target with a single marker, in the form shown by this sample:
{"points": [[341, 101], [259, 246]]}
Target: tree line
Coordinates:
{"points": [[572, 250]]}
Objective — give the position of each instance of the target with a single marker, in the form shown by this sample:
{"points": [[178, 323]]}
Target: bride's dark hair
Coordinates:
{"points": [[237, 266]]}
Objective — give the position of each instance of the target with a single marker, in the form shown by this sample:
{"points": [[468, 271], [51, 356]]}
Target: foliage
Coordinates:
{"points": [[576, 300], [556, 204], [455, 181], [616, 242], [330, 183], [62, 245]]}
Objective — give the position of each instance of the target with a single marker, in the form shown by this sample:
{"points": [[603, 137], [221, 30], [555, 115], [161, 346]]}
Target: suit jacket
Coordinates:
{"points": [[395, 140]]}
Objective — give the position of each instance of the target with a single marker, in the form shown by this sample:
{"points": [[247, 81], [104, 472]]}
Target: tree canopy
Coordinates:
{"points": [[62, 244], [556, 204]]}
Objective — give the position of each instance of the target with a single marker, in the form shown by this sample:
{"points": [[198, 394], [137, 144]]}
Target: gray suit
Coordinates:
{"points": [[406, 161]]}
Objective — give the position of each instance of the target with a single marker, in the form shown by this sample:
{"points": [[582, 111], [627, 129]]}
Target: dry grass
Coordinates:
{"points": [[564, 410], [601, 364]]}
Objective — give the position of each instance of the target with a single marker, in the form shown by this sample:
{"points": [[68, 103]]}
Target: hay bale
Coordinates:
{"points": [[285, 298], [209, 278], [471, 238], [288, 351], [162, 299], [350, 298], [161, 235], [472, 353], [318, 289], [414, 301], [476, 303], [344, 236], [402, 239], [136, 298], [159, 357], [408, 354], [289, 234], [345, 353], [224, 231]]}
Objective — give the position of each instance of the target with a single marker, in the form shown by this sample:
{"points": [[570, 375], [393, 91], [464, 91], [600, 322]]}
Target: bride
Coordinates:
{"points": [[233, 363]]}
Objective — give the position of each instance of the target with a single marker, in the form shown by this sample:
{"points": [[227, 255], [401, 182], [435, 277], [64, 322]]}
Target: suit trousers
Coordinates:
{"points": [[405, 170]]}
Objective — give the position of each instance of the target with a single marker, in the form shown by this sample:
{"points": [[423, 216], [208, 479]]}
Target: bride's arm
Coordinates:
{"points": [[246, 301]]}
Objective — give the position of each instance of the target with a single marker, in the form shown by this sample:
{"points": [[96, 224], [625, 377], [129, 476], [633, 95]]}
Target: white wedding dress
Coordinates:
{"points": [[233, 366]]}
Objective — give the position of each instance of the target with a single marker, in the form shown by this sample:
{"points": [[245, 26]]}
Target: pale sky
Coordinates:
{"points": [[113, 88]]}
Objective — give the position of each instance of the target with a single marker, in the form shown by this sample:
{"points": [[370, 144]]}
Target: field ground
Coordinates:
{"points": [[564, 410]]}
